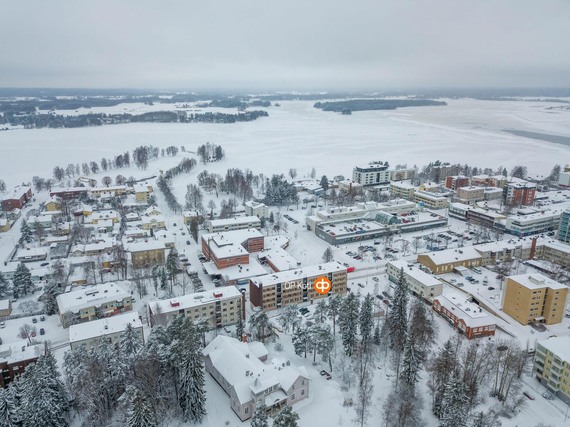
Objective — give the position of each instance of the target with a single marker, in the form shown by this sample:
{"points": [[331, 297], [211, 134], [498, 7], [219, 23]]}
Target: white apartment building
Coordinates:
{"points": [[374, 173], [430, 200], [238, 223], [258, 209], [113, 328], [420, 283]]}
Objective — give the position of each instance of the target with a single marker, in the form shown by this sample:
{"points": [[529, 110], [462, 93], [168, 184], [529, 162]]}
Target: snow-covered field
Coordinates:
{"points": [[296, 135]]}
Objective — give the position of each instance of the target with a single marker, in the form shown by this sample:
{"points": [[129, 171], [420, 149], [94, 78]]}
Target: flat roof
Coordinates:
{"points": [[20, 351], [452, 255], [235, 220], [298, 273], [194, 300], [145, 246], [457, 303], [90, 296], [280, 258], [102, 327], [536, 281], [560, 346], [226, 244], [414, 272], [234, 272]]}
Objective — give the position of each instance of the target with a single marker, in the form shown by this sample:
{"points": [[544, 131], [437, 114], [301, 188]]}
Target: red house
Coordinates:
{"points": [[17, 198], [464, 315]]}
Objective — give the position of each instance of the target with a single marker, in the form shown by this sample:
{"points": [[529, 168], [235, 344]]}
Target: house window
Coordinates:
{"points": [[246, 410], [293, 396], [302, 392]]}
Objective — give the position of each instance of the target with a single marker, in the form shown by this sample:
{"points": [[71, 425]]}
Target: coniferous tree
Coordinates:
{"points": [[411, 364], [333, 308], [22, 280], [366, 322], [140, 412], [328, 255], [348, 322], [441, 368], [397, 318], [286, 418], [172, 266], [130, 346], [194, 228], [240, 327], [301, 339], [260, 418], [454, 403], [26, 232], [9, 414], [3, 285]]}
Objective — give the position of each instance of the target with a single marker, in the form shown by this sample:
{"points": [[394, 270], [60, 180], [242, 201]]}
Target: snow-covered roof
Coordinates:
{"points": [[233, 221], [32, 252], [4, 304], [194, 300], [90, 296], [452, 255], [280, 258], [102, 327], [20, 351], [560, 346], [414, 272], [253, 204], [229, 243], [536, 281], [458, 304], [298, 274], [234, 272], [147, 245]]}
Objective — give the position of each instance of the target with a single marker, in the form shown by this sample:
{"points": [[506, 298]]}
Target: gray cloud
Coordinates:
{"points": [[323, 44]]}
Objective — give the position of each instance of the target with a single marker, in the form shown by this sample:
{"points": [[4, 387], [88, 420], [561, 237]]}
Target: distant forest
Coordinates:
{"points": [[346, 107], [51, 120]]}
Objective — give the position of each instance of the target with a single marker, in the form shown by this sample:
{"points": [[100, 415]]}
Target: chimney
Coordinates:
{"points": [[532, 248]]}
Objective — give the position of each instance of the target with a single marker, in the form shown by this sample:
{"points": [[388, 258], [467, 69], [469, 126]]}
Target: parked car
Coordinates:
{"points": [[2, 325], [0, 341], [42, 331], [187, 242], [529, 395], [376, 279], [34, 320], [33, 334], [361, 285], [42, 318]]}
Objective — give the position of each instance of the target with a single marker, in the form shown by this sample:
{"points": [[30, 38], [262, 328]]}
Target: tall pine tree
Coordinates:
{"points": [[286, 418], [366, 322], [348, 322], [22, 280], [140, 412], [454, 403], [26, 232], [9, 416]]}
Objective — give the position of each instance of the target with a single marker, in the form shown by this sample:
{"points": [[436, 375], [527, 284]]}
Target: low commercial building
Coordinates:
{"points": [[92, 303], [445, 261], [111, 328], [258, 209], [493, 193], [404, 190], [237, 223], [464, 315], [527, 223], [218, 308], [239, 369], [419, 283], [534, 298], [278, 290], [552, 365]]}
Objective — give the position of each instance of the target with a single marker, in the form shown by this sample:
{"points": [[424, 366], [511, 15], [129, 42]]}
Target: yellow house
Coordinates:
{"points": [[54, 204], [142, 192], [552, 365], [445, 261], [4, 225], [155, 222]]}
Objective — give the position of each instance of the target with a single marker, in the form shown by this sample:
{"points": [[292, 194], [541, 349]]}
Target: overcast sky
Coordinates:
{"points": [[292, 44]]}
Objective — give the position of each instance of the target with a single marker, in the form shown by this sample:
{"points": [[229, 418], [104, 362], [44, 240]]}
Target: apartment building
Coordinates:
{"points": [[239, 368], [111, 328], [217, 308], [453, 182], [15, 357], [403, 190], [552, 365], [17, 198], [532, 298], [464, 315], [470, 195], [232, 247], [442, 171], [564, 178], [520, 193], [375, 173], [278, 290], [148, 253], [402, 174], [237, 223], [445, 261], [187, 217], [419, 283], [92, 303], [430, 200], [564, 227], [258, 209], [142, 192]]}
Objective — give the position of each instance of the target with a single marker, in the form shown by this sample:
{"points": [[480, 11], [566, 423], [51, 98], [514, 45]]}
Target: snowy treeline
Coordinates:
{"points": [[210, 152], [135, 385], [163, 182]]}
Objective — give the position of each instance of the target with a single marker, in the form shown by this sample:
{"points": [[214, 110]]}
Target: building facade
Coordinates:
{"points": [[375, 173], [564, 227], [419, 283], [281, 289], [17, 198], [520, 193], [445, 261], [237, 223], [552, 365], [258, 209], [111, 328], [454, 182], [534, 299], [217, 308]]}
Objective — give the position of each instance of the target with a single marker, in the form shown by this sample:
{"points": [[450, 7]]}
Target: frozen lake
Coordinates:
{"points": [[296, 135]]}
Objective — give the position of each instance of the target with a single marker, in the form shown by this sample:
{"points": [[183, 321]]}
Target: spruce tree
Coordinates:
{"points": [[411, 363], [140, 412], [441, 368], [348, 322], [9, 416], [260, 418], [3, 285], [366, 322], [26, 232], [286, 418], [454, 403], [22, 280], [300, 341], [192, 395], [240, 327], [172, 266], [397, 318], [377, 336]]}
